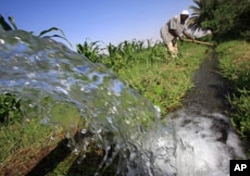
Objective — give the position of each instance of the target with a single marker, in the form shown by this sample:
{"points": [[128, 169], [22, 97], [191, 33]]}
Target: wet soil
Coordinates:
{"points": [[211, 89]]}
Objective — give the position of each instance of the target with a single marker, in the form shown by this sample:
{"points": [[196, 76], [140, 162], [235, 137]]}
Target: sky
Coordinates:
{"points": [[107, 21]]}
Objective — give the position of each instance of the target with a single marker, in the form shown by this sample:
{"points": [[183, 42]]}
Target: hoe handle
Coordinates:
{"points": [[199, 42]]}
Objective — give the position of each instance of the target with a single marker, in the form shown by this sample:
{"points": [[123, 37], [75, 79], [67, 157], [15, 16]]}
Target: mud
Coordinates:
{"points": [[211, 89]]}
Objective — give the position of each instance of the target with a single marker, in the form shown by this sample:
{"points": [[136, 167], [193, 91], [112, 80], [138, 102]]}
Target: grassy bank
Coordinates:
{"points": [[235, 67]]}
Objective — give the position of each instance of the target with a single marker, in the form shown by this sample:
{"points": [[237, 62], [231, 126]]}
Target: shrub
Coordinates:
{"points": [[9, 109]]}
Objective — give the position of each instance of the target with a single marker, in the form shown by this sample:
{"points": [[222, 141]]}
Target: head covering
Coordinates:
{"points": [[184, 12]]}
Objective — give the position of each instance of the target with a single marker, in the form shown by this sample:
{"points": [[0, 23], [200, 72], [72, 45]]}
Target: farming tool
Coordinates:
{"points": [[199, 42]]}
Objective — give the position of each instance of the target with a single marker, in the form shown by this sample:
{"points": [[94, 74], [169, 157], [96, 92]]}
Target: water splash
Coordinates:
{"points": [[188, 145], [65, 88]]}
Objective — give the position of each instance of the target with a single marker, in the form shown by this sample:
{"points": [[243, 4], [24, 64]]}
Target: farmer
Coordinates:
{"points": [[174, 29]]}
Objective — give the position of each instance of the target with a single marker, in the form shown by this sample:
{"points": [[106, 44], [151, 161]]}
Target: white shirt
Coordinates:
{"points": [[175, 24]]}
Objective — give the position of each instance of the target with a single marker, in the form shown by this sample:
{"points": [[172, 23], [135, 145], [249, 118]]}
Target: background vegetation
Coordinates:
{"points": [[226, 19]]}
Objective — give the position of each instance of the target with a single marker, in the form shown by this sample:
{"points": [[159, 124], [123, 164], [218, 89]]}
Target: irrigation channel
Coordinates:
{"points": [[50, 80]]}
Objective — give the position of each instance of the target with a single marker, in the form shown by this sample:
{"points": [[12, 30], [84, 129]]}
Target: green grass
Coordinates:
{"points": [[24, 144], [166, 81]]}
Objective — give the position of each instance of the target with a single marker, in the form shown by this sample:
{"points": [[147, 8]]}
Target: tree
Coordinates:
{"points": [[202, 12], [194, 22], [226, 19]]}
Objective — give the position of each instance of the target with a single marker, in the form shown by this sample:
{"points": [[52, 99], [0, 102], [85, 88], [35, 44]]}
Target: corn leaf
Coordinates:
{"points": [[12, 22]]}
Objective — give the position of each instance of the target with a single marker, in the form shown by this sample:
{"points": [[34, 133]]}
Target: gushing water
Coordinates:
{"points": [[65, 88], [188, 146]]}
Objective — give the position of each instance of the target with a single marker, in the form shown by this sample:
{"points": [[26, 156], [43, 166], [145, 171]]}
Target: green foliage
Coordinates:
{"points": [[235, 66], [19, 137], [124, 55], [12, 22], [241, 114], [62, 36], [7, 27], [235, 63], [202, 12], [226, 19], [91, 50], [114, 60], [9, 109]]}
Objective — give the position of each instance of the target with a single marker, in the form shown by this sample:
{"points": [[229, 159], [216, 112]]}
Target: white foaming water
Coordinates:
{"points": [[189, 145]]}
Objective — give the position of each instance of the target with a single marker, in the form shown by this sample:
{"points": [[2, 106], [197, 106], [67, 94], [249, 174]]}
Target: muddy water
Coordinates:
{"points": [[210, 89]]}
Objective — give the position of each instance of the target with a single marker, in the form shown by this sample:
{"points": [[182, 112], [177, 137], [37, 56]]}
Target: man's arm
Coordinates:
{"points": [[188, 35], [176, 34]]}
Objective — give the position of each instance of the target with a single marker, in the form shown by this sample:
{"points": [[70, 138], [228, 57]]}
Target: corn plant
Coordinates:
{"points": [[123, 55], [157, 52], [7, 27], [137, 45], [62, 36], [12, 26], [126, 50], [91, 50], [115, 60]]}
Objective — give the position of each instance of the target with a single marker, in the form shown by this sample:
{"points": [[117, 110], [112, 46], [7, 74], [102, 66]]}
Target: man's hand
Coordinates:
{"points": [[189, 36]]}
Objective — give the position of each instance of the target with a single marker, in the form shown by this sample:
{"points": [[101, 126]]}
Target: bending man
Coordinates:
{"points": [[174, 29]]}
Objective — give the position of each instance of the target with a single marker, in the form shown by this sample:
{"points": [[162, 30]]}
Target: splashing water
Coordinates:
{"points": [[189, 145], [61, 86], [65, 88]]}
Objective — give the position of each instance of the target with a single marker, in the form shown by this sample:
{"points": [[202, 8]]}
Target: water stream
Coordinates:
{"points": [[52, 81]]}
